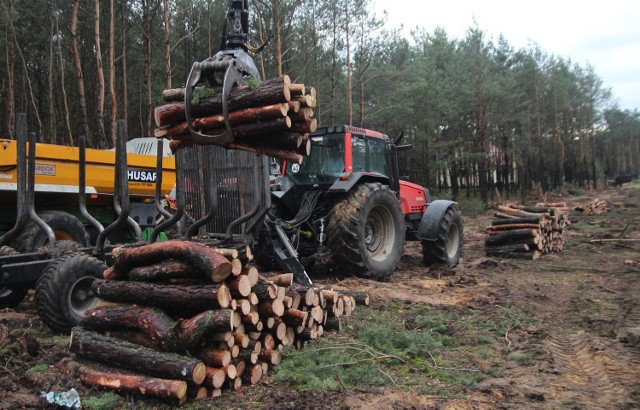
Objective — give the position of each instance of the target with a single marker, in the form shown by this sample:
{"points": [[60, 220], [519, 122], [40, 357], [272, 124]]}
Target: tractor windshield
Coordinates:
{"points": [[324, 165]]}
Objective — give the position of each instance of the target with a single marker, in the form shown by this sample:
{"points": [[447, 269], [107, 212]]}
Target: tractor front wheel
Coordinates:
{"points": [[366, 232], [446, 249]]}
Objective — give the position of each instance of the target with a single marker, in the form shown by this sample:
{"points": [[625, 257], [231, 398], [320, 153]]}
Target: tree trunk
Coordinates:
{"points": [[240, 286], [523, 220], [112, 74], [194, 330], [209, 262], [284, 279], [272, 91], [53, 129], [151, 322], [513, 253], [265, 290], [84, 124], [215, 378], [179, 299], [63, 88], [505, 237], [124, 382], [271, 308], [9, 101], [253, 374], [215, 357], [101, 84], [294, 317], [244, 116], [512, 226], [121, 353], [277, 24], [123, 56], [349, 85], [361, 298], [163, 271], [167, 43], [273, 357]]}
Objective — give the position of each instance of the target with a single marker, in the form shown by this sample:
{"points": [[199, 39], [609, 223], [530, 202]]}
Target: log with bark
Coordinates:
{"points": [[197, 328], [209, 101], [160, 326], [597, 206], [175, 298], [245, 116], [271, 118], [115, 352], [526, 232], [164, 270], [207, 261], [153, 323], [124, 382]]}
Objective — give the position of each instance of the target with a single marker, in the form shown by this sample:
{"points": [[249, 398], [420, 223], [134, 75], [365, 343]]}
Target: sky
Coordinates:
{"points": [[605, 35]]}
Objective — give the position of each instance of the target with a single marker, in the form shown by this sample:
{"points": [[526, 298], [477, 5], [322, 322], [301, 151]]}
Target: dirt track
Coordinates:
{"points": [[584, 304], [583, 333]]}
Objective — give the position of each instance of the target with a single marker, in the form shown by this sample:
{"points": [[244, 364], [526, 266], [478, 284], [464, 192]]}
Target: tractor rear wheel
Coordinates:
{"points": [[65, 227], [11, 297], [447, 248], [366, 232], [63, 292]]}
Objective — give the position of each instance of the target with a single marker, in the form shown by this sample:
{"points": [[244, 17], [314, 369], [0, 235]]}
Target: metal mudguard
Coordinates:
{"points": [[354, 179], [430, 223]]}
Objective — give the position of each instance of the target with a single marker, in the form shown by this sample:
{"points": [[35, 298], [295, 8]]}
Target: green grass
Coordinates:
{"points": [[471, 206], [575, 191], [405, 345], [107, 401], [39, 368], [518, 356], [60, 340], [588, 228]]}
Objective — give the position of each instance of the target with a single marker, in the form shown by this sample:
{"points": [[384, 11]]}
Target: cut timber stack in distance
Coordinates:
{"points": [[179, 320], [273, 118], [596, 207], [526, 232]]}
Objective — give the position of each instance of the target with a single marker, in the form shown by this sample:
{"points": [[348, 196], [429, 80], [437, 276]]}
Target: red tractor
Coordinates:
{"points": [[346, 207]]}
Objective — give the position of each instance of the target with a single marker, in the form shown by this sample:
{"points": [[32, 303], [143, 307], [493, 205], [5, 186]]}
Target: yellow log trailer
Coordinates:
{"points": [[56, 188]]}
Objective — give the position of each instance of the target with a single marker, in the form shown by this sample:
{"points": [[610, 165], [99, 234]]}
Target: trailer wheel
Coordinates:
{"points": [[366, 232], [11, 297], [63, 292], [447, 248], [65, 227]]}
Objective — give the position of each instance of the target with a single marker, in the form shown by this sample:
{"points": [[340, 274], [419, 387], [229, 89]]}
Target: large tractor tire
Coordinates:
{"points": [[366, 232], [63, 292], [11, 297], [446, 249], [66, 227]]}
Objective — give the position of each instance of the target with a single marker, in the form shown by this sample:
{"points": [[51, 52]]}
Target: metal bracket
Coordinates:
{"points": [[232, 75]]}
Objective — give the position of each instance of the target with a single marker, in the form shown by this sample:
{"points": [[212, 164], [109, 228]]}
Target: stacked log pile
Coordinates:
{"points": [[522, 232], [597, 206], [178, 319], [272, 118]]}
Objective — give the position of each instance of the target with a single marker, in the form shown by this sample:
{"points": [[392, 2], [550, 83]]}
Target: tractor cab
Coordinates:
{"points": [[341, 155]]}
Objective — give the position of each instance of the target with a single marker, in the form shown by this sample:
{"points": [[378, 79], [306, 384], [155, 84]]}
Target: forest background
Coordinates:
{"points": [[482, 116]]}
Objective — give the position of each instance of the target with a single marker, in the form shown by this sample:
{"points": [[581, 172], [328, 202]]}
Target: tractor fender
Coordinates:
{"points": [[430, 222], [355, 179]]}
